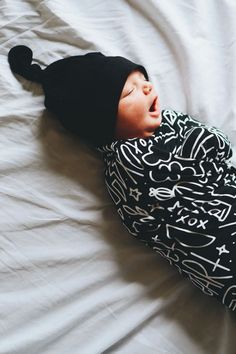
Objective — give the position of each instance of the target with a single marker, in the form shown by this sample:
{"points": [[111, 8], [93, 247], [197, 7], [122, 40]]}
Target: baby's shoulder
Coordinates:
{"points": [[136, 155], [131, 151]]}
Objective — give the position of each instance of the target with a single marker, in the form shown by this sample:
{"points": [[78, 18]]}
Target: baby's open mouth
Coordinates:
{"points": [[153, 106]]}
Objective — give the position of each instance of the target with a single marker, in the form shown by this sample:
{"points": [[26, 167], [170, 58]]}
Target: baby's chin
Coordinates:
{"points": [[157, 119]]}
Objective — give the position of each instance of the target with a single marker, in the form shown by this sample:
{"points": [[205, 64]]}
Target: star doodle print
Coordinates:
{"points": [[176, 192]]}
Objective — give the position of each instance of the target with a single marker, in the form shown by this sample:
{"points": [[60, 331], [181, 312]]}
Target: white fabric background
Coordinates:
{"points": [[72, 280]]}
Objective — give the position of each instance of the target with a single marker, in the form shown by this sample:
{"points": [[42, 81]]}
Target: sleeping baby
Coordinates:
{"points": [[169, 176]]}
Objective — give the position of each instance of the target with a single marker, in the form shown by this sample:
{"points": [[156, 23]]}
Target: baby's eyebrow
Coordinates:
{"points": [[141, 74]]}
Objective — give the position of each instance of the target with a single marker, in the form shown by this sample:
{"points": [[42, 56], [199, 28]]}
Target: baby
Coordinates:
{"points": [[168, 175]]}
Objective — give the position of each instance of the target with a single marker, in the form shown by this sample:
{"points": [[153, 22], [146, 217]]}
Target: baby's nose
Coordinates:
{"points": [[147, 87]]}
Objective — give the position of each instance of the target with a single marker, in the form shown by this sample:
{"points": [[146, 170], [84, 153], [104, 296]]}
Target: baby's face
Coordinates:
{"points": [[138, 110]]}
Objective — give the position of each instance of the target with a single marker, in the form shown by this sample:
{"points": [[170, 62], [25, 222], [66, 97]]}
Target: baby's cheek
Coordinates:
{"points": [[140, 110]]}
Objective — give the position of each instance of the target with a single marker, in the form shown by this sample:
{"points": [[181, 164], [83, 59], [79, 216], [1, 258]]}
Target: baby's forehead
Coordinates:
{"points": [[135, 74]]}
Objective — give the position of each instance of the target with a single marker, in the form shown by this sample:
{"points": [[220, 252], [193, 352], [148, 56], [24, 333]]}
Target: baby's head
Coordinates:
{"points": [[138, 113], [98, 97]]}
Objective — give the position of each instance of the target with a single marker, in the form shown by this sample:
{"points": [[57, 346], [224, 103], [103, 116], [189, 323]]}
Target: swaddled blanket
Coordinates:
{"points": [[176, 191]]}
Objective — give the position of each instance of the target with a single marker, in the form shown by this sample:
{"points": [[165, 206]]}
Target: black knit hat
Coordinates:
{"points": [[82, 91]]}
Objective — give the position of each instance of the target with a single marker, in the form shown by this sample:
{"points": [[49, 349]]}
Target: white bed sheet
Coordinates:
{"points": [[72, 280]]}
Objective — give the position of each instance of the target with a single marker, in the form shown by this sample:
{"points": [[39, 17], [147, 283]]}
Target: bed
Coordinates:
{"points": [[72, 279]]}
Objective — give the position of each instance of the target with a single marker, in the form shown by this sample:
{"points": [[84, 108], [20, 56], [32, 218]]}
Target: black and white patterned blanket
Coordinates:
{"points": [[176, 191]]}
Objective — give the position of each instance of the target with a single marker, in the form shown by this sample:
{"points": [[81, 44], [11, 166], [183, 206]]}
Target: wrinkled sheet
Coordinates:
{"points": [[72, 280]]}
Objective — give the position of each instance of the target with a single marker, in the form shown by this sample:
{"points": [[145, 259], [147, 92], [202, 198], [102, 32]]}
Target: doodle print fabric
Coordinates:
{"points": [[176, 192]]}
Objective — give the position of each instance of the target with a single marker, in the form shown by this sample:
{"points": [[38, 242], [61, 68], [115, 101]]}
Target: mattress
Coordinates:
{"points": [[72, 279]]}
